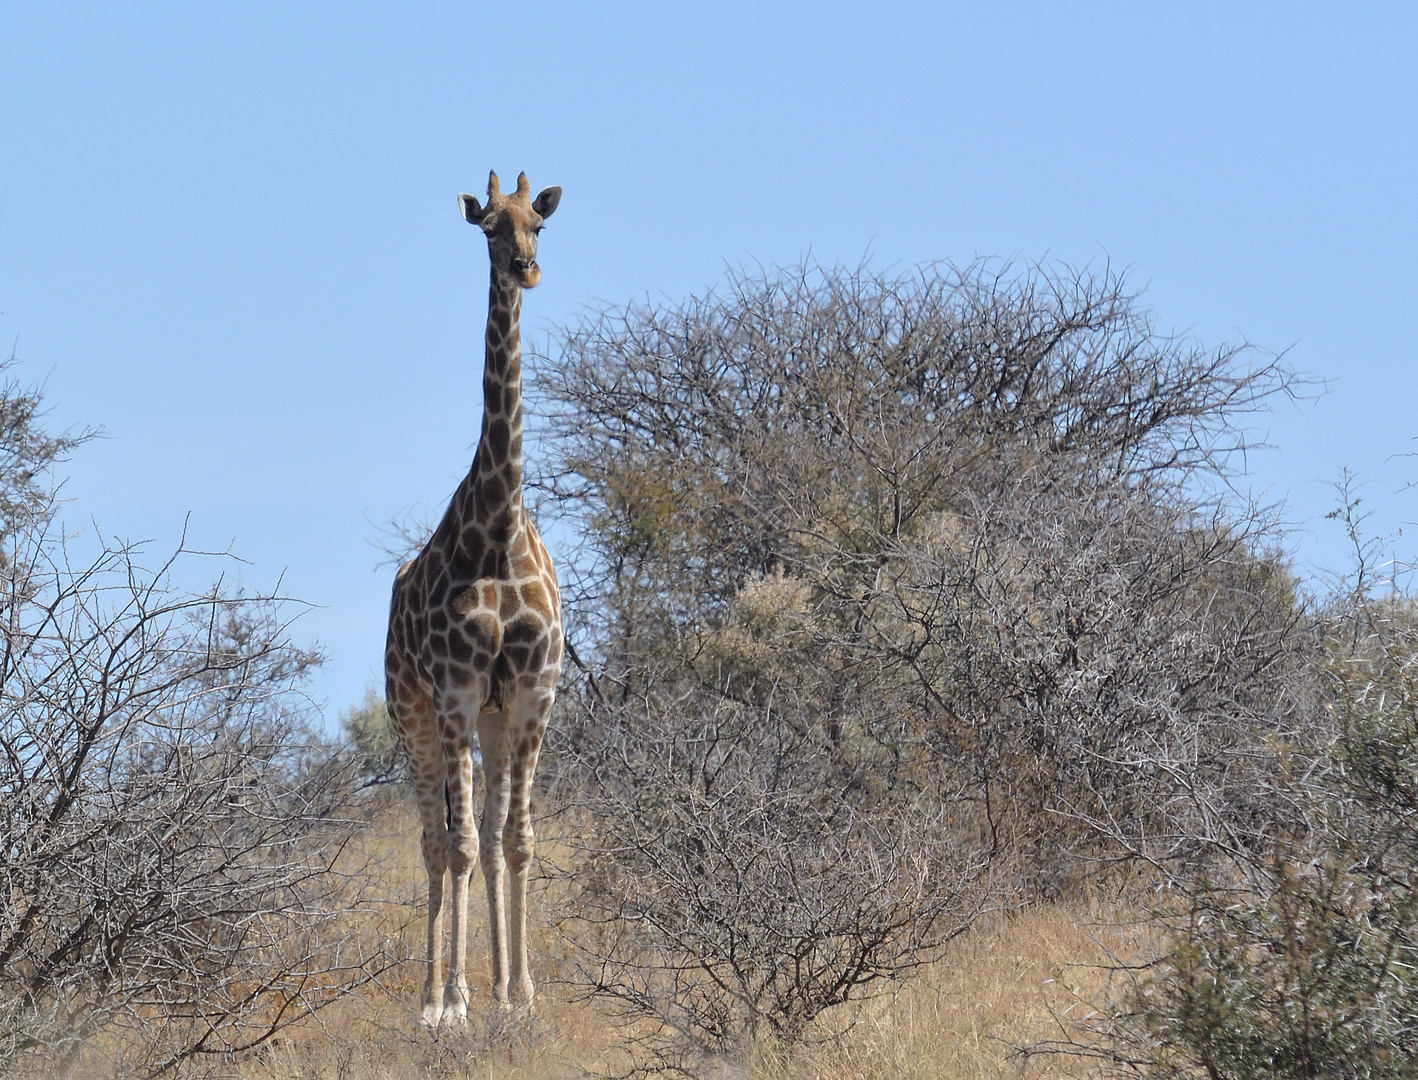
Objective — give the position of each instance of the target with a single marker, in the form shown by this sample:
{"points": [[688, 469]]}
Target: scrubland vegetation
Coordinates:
{"points": [[941, 707]]}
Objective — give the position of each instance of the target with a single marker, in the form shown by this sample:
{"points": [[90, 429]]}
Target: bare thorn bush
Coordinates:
{"points": [[900, 596], [171, 820]]}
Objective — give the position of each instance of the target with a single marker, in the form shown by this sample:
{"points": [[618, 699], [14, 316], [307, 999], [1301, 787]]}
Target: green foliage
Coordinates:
{"points": [[28, 454], [368, 728], [1303, 960], [1309, 975]]}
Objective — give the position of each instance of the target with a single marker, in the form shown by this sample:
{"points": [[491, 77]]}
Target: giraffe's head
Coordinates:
{"points": [[511, 223]]}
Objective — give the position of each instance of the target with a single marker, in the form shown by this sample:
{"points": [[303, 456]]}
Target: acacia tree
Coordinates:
{"points": [[170, 818], [960, 538]]}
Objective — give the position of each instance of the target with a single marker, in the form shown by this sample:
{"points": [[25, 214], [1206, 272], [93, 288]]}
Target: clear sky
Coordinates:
{"points": [[229, 235]]}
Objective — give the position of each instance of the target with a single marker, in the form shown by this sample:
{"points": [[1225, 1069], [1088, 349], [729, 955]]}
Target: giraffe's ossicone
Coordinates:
{"points": [[475, 645]]}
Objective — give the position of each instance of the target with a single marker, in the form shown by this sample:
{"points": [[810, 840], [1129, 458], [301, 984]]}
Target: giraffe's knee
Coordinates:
{"points": [[518, 856], [434, 845], [518, 847], [462, 851]]}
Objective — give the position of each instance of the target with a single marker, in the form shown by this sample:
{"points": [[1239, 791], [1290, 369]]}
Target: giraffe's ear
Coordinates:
{"points": [[473, 211], [547, 201]]}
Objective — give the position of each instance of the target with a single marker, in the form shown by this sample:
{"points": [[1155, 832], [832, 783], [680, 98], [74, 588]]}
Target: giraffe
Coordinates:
{"points": [[475, 642]]}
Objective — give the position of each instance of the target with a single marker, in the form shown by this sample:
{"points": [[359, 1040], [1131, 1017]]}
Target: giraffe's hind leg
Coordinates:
{"points": [[413, 718], [527, 723], [455, 723], [497, 762]]}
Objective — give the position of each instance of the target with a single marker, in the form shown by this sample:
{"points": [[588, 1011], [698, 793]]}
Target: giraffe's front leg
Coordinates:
{"points": [[462, 853], [527, 724], [435, 861], [497, 764], [414, 719]]}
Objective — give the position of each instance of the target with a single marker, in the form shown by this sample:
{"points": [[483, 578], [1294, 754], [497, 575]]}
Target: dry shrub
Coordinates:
{"points": [[974, 520], [901, 596], [1294, 954], [730, 883], [172, 820]]}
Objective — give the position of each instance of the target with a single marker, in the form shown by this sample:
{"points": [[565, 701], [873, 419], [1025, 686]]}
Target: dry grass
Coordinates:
{"points": [[1005, 986], [1010, 985]]}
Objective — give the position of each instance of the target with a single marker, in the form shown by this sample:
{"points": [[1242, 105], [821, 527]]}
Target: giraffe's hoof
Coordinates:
{"points": [[429, 1017], [455, 1013]]}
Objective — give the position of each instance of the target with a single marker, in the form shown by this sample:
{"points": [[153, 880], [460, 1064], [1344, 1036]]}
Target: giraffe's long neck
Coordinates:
{"points": [[485, 512], [497, 467]]}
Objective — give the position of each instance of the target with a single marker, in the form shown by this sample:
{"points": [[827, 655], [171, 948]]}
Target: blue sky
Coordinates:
{"points": [[229, 236]]}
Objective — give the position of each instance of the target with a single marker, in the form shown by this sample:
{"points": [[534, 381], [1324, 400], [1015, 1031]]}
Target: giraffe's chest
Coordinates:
{"points": [[496, 629]]}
